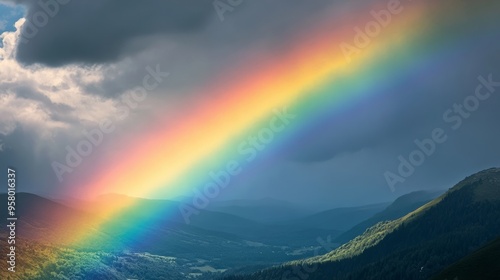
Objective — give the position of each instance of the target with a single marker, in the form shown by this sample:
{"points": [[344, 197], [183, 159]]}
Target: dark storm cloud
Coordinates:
{"points": [[194, 45], [100, 31], [95, 31]]}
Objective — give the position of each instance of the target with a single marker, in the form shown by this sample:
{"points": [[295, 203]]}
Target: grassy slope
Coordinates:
{"points": [[400, 207]]}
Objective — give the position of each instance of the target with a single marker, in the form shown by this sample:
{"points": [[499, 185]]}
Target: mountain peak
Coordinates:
{"points": [[484, 184]]}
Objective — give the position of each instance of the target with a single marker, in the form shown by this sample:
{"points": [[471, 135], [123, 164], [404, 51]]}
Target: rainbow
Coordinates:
{"points": [[312, 79]]}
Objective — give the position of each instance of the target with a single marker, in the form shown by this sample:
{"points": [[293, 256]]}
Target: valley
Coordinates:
{"points": [[414, 237]]}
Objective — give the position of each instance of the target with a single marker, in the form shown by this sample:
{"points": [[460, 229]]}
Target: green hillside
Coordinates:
{"points": [[400, 207], [416, 246]]}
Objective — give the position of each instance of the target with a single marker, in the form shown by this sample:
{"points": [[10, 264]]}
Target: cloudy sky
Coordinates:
{"points": [[65, 76]]}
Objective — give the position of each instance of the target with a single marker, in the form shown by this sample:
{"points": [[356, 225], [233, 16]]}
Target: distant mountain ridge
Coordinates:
{"points": [[265, 210], [340, 218]]}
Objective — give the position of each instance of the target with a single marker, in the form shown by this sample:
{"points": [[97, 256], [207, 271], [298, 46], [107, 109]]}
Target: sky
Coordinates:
{"points": [[181, 91], [10, 14]]}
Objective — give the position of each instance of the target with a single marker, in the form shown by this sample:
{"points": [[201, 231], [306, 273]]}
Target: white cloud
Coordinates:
{"points": [[47, 99]]}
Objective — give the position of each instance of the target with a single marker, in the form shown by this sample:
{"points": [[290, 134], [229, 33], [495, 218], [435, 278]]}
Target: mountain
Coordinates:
{"points": [[483, 264], [339, 218], [212, 242], [400, 207], [416, 246], [167, 212], [151, 226], [294, 235], [42, 219]]}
